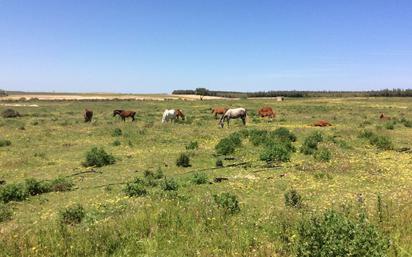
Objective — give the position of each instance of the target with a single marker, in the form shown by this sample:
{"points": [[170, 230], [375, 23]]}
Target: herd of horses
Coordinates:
{"points": [[226, 115]]}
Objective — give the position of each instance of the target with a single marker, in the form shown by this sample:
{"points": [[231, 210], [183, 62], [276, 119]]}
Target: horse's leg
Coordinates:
{"points": [[133, 117], [243, 120]]}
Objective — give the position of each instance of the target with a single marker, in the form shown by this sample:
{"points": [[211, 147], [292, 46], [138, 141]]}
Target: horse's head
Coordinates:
{"points": [[115, 112], [180, 114], [381, 116]]}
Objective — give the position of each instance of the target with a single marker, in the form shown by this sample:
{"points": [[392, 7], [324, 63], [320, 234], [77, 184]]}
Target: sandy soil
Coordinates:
{"points": [[155, 97]]}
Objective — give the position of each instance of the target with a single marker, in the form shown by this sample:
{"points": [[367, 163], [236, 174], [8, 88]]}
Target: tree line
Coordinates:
{"points": [[396, 92]]}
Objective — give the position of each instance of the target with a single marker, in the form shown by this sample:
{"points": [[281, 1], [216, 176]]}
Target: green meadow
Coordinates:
{"points": [[143, 204]]}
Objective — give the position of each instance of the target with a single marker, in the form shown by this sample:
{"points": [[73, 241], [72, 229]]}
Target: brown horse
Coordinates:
{"points": [[384, 117], [322, 123], [218, 110], [88, 115], [180, 114], [266, 112], [124, 114]]}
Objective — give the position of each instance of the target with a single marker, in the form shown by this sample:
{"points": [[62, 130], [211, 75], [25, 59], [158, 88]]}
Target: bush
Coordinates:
{"points": [[406, 123], [228, 202], [135, 188], [275, 153], [390, 125], [169, 185], [98, 157], [193, 145], [284, 134], [116, 142], [323, 154], [228, 145], [310, 145], [117, 132], [35, 187], [219, 163], [183, 161], [4, 142], [72, 215], [293, 199], [61, 185], [13, 192], [334, 234], [10, 113], [199, 178], [5, 212], [381, 142]]}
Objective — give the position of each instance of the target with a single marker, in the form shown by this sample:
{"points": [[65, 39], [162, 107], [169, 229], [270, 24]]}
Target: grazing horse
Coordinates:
{"points": [[218, 110], [172, 115], [384, 117], [266, 112], [233, 114], [124, 114], [322, 123], [88, 115]]}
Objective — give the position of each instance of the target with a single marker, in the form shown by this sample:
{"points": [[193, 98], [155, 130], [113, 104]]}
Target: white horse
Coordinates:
{"points": [[172, 115], [233, 114]]}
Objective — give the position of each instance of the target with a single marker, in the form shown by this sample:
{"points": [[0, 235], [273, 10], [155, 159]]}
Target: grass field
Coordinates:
{"points": [[51, 141]]}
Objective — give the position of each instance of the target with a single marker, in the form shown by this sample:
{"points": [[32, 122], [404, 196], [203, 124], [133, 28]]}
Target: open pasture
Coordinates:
{"points": [[51, 141]]}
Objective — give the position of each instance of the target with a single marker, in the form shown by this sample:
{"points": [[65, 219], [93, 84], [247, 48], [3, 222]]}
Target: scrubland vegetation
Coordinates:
{"points": [[190, 188]]}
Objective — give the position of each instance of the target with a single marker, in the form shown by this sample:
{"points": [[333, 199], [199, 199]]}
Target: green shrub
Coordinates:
{"points": [[284, 134], [183, 161], [228, 202], [219, 163], [381, 142], [169, 184], [366, 134], [35, 187], [228, 144], [4, 142], [72, 215], [199, 178], [13, 192], [310, 145], [5, 212], [98, 157], [275, 153], [293, 199], [406, 123], [390, 125], [61, 184], [334, 234], [116, 142], [193, 145], [258, 137], [323, 154], [135, 188], [158, 174], [117, 132]]}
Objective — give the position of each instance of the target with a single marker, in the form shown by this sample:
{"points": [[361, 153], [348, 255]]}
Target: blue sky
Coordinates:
{"points": [[157, 46]]}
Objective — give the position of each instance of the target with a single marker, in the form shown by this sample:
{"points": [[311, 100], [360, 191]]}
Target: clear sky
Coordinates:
{"points": [[157, 46]]}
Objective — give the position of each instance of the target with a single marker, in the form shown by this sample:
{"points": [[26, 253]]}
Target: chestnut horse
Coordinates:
{"points": [[266, 112], [218, 110], [88, 115], [384, 117], [322, 123], [124, 114]]}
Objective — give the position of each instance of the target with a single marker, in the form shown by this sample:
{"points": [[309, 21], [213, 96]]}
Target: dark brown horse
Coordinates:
{"points": [[88, 115], [124, 114]]}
